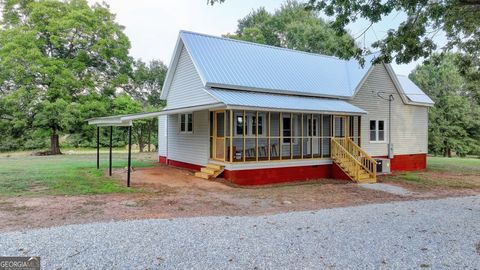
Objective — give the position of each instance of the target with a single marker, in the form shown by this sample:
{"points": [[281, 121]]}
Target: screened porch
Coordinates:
{"points": [[256, 136]]}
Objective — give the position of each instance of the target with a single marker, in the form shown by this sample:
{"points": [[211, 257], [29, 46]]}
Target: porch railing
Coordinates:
{"points": [[354, 158]]}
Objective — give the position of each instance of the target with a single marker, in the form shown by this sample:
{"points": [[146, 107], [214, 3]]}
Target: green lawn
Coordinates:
{"points": [[444, 173], [73, 174], [459, 165]]}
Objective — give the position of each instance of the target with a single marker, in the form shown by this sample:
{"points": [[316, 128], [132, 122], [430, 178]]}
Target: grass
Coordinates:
{"points": [[74, 174], [459, 165], [456, 173]]}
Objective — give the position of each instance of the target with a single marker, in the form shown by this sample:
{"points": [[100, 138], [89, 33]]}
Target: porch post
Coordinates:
{"points": [[129, 154], [110, 153], [98, 147], [231, 136]]}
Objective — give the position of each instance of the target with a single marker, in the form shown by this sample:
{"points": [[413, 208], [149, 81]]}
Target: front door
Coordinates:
{"points": [[313, 130], [219, 135], [340, 126]]}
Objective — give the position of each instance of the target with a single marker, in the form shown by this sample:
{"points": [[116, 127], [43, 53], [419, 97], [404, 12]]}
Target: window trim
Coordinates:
{"points": [[294, 125], [186, 131], [249, 132], [377, 131], [312, 131]]}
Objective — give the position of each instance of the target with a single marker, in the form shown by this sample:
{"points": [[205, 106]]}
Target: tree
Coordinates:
{"points": [[52, 55], [414, 37], [453, 121], [147, 82], [145, 87], [295, 27]]}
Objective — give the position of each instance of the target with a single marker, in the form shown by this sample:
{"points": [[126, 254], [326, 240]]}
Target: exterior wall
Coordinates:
{"points": [[162, 135], [412, 162], [409, 122], [277, 175], [186, 89], [192, 148]]}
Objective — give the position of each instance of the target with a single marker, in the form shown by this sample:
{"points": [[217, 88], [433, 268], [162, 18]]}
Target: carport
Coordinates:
{"points": [[118, 121], [126, 120]]}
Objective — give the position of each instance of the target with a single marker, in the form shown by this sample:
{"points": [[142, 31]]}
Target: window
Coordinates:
{"points": [[290, 125], [381, 131], [250, 124], [373, 130], [312, 131], [287, 129], [239, 125], [377, 130], [186, 123], [260, 125]]}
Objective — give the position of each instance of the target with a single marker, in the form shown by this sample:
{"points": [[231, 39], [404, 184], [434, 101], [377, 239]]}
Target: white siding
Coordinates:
{"points": [[409, 123], [162, 135], [191, 147], [186, 89]]}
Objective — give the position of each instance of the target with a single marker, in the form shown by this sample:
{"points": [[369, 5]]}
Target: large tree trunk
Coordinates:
{"points": [[55, 145]]}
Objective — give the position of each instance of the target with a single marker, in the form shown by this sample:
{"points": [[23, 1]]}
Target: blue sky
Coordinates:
{"points": [[153, 26]]}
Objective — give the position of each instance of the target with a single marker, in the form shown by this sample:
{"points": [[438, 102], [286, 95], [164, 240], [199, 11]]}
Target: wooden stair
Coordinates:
{"points": [[210, 171], [353, 161]]}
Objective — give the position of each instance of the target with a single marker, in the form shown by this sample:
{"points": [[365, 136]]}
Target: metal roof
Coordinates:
{"points": [[126, 119], [229, 63], [412, 91], [257, 100]]}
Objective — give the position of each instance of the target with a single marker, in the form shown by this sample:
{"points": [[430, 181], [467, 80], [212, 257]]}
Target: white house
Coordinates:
{"points": [[261, 114]]}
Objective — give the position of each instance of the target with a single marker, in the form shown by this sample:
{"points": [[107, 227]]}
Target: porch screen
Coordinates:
{"points": [[267, 136]]}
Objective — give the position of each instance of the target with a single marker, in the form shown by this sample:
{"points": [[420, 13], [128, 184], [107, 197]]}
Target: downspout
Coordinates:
{"points": [[166, 138], [390, 145]]}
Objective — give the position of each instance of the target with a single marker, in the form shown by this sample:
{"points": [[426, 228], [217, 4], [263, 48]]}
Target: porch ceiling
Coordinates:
{"points": [[267, 101]]}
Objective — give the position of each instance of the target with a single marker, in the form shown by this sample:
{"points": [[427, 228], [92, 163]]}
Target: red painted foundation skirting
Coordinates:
{"points": [[277, 175], [183, 165], [338, 173], [292, 174], [162, 159], [411, 162]]}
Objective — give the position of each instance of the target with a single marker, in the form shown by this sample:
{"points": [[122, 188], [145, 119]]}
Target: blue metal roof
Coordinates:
{"points": [[283, 102], [411, 90], [229, 63]]}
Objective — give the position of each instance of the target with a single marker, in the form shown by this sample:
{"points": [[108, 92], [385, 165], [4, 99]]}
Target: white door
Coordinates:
{"points": [[313, 126]]}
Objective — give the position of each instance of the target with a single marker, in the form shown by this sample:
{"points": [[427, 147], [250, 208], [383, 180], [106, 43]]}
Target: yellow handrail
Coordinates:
{"points": [[345, 148]]}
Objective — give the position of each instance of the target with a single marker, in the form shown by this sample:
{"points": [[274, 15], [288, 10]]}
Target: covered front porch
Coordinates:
{"points": [[243, 136]]}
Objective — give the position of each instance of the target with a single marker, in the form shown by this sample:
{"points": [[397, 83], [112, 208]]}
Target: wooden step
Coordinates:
{"points": [[367, 180], [203, 175], [208, 170], [363, 175], [214, 166]]}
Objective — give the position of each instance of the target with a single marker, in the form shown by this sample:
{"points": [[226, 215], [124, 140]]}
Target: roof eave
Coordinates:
{"points": [[256, 108], [272, 91]]}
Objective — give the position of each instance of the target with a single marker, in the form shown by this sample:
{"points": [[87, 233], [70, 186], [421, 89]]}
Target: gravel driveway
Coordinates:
{"points": [[434, 234]]}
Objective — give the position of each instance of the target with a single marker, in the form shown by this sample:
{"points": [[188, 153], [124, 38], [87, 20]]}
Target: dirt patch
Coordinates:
{"points": [[166, 192]]}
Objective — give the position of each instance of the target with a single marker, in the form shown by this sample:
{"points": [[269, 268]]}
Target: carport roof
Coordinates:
{"points": [[127, 119]]}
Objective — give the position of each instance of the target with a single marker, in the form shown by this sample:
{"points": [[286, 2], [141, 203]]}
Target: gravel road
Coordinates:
{"points": [[435, 234]]}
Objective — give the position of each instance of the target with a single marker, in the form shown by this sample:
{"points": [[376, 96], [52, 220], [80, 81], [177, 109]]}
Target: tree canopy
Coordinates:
{"points": [[62, 62], [54, 53], [293, 26], [459, 20], [454, 120]]}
